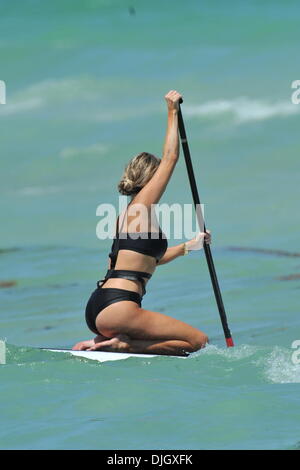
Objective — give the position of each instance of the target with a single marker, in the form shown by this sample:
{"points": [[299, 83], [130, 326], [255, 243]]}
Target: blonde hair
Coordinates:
{"points": [[137, 173]]}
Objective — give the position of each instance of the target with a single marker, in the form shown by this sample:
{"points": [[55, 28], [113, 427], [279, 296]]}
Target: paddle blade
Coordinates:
{"points": [[229, 342]]}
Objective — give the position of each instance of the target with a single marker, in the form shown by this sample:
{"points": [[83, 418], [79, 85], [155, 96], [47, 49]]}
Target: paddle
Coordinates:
{"points": [[209, 259]]}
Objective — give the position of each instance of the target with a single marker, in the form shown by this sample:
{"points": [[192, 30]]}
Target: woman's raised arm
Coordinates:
{"points": [[153, 190]]}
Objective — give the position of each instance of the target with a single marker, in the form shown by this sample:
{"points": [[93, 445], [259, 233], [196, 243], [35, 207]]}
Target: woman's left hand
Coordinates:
{"points": [[197, 242]]}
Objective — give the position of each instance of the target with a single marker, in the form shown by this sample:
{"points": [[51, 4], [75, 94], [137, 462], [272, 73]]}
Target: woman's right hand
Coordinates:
{"points": [[172, 98]]}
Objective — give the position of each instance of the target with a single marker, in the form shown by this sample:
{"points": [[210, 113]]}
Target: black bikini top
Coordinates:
{"points": [[148, 243]]}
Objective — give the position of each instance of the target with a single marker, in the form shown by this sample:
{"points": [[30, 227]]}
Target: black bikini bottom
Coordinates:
{"points": [[102, 298]]}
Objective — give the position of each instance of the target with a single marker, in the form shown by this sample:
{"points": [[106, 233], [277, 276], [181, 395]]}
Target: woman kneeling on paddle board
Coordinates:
{"points": [[114, 311]]}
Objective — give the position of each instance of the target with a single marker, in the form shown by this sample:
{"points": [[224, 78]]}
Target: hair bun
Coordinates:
{"points": [[137, 173], [126, 186]]}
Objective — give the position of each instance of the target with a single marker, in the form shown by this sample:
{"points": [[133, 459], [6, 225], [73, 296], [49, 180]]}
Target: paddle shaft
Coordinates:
{"points": [[206, 247]]}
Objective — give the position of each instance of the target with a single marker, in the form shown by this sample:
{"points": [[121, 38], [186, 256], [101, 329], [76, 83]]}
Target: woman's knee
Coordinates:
{"points": [[199, 341]]}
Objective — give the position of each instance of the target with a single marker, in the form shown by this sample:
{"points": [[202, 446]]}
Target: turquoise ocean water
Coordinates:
{"points": [[85, 86]]}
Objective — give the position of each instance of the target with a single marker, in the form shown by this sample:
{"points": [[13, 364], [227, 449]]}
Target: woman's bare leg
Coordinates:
{"points": [[146, 331], [122, 343]]}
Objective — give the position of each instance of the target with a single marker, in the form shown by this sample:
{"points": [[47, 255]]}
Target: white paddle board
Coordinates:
{"points": [[103, 356]]}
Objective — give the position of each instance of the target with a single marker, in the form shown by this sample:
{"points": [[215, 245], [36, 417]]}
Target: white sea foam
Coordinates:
{"points": [[16, 106], [236, 353], [275, 362], [243, 109], [64, 89], [50, 91], [279, 367], [57, 91], [54, 92]]}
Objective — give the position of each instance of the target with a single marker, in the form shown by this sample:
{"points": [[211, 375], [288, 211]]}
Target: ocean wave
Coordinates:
{"points": [[239, 365], [243, 109], [279, 367], [55, 92], [51, 91], [273, 364], [16, 106], [237, 353], [39, 190], [64, 89], [121, 114], [95, 149]]}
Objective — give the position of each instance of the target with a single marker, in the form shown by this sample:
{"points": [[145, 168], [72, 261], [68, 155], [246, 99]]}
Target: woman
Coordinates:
{"points": [[114, 311]]}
